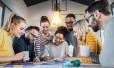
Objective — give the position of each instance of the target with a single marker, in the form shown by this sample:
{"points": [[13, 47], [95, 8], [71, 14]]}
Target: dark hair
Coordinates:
{"points": [[44, 19], [12, 19], [64, 29], [101, 6], [32, 27], [71, 15], [61, 32]]}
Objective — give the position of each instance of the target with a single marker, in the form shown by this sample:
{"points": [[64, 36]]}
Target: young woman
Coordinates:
{"points": [[57, 50], [14, 27], [85, 36], [43, 38]]}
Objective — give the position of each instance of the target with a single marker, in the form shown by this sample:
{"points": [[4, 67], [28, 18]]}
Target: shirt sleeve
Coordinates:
{"points": [[107, 53], [38, 42], [46, 52], [1, 38], [67, 48], [18, 45]]}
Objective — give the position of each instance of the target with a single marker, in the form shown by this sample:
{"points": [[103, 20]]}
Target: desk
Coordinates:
{"points": [[60, 65]]}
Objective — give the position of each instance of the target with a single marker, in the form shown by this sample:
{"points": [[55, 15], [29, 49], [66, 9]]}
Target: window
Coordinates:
{"points": [[1, 11], [5, 11]]}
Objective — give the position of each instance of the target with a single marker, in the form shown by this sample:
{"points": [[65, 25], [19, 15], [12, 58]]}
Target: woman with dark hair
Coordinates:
{"points": [[43, 38], [14, 27]]}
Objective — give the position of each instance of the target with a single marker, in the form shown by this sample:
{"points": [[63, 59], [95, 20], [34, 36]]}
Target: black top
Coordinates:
{"points": [[23, 44]]}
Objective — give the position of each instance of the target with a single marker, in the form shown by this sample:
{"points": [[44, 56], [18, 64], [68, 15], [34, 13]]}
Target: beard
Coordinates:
{"points": [[97, 25], [95, 28], [70, 28]]}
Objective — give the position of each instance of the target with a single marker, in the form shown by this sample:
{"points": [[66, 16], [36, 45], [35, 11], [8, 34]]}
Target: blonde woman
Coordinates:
{"points": [[14, 27], [86, 36]]}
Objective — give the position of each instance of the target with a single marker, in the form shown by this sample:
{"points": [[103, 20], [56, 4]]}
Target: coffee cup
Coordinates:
{"points": [[84, 50], [26, 56]]}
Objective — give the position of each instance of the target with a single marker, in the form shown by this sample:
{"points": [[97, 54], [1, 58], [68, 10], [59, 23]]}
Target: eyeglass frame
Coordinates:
{"points": [[33, 35], [87, 19]]}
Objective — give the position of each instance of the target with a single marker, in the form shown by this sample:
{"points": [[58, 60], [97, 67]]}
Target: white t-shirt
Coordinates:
{"points": [[107, 53], [57, 52]]}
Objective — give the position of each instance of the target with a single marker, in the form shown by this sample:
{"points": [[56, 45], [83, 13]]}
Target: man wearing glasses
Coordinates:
{"points": [[99, 16], [25, 43], [70, 37]]}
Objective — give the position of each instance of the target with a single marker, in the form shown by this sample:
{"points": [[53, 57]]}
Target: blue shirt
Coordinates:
{"points": [[23, 44], [71, 39]]}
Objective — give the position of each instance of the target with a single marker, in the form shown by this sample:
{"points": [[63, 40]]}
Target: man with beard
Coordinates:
{"points": [[26, 42], [70, 37], [99, 13]]}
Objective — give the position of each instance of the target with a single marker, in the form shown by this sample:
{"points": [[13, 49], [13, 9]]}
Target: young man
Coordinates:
{"points": [[98, 15], [26, 42], [69, 37]]}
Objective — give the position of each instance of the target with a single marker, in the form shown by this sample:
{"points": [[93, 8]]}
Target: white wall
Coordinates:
{"points": [[38, 10], [17, 6], [33, 13], [45, 8]]}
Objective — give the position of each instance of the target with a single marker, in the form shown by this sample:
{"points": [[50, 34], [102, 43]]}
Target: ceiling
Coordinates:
{"points": [[33, 2], [85, 2]]}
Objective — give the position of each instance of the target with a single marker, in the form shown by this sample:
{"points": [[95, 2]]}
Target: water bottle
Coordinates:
{"points": [[26, 56], [70, 50]]}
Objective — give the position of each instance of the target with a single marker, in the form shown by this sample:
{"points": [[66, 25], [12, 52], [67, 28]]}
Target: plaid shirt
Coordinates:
{"points": [[39, 44]]}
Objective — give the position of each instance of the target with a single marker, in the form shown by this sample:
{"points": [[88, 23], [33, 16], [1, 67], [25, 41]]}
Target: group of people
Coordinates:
{"points": [[16, 40]]}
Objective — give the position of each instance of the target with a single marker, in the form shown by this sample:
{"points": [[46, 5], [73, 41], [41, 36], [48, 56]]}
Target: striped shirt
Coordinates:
{"points": [[39, 44], [95, 46]]}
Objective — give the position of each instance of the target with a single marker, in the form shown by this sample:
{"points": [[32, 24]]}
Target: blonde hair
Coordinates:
{"points": [[13, 18], [82, 25]]}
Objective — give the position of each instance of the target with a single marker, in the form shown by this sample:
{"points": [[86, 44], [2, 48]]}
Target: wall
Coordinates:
{"points": [[17, 6], [33, 13], [45, 8]]}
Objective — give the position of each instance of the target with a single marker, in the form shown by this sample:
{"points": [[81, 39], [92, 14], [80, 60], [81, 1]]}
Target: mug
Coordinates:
{"points": [[26, 56], [84, 50]]}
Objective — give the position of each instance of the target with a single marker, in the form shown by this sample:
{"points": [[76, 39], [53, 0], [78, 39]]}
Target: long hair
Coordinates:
{"points": [[82, 25], [13, 18]]}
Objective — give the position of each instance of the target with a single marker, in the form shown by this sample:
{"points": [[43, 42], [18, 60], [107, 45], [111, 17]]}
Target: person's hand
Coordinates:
{"points": [[46, 58], [18, 56], [36, 60]]}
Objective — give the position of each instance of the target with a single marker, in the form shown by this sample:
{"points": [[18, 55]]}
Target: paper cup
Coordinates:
{"points": [[84, 50], [26, 55]]}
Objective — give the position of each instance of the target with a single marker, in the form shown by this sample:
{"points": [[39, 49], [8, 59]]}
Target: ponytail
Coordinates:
{"points": [[13, 18]]}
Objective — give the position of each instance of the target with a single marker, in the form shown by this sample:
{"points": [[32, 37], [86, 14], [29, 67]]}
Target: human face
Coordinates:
{"points": [[69, 23], [59, 39], [32, 34], [18, 29], [77, 32], [45, 27], [93, 22]]}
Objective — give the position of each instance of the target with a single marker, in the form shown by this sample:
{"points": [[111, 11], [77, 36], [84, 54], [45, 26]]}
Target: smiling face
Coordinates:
{"points": [[77, 32], [69, 22], [45, 27], [59, 39], [33, 33], [18, 29]]}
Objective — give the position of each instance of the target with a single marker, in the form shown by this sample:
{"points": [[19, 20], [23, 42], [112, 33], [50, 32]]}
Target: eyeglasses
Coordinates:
{"points": [[87, 19], [33, 35], [69, 22]]}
